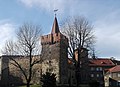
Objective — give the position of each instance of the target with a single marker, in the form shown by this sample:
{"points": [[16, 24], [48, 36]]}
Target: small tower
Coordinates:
{"points": [[84, 65], [4, 71], [54, 54]]}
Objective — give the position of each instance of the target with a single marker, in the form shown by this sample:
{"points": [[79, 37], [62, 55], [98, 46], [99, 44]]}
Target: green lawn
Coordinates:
{"points": [[31, 86], [41, 86]]}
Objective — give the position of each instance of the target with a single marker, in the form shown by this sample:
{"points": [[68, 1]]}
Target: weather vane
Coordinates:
{"points": [[55, 11]]}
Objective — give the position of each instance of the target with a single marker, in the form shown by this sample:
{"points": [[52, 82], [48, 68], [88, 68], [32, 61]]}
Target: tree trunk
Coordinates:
{"points": [[28, 84], [78, 67], [77, 77]]}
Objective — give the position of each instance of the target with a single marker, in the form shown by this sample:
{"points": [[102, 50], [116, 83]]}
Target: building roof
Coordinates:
{"points": [[55, 27], [101, 62], [115, 69]]}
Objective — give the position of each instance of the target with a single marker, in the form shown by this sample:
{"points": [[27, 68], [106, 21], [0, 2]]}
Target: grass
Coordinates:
{"points": [[31, 86], [41, 86]]}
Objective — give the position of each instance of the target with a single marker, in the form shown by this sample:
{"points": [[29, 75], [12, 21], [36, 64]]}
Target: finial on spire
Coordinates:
{"points": [[55, 11]]}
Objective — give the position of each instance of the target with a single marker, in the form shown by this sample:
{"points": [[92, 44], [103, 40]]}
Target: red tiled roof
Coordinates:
{"points": [[115, 69], [101, 62]]}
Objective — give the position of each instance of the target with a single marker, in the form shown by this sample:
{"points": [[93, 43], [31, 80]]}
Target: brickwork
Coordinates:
{"points": [[54, 54]]}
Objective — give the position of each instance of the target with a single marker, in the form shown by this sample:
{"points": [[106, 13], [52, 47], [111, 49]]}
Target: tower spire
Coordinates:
{"points": [[55, 27]]}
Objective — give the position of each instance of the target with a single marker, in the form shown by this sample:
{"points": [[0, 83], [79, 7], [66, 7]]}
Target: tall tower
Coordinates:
{"points": [[55, 54], [4, 71]]}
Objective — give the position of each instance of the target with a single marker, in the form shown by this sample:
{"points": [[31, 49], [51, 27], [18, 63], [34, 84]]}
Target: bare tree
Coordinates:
{"points": [[80, 35], [10, 48], [27, 44], [93, 52]]}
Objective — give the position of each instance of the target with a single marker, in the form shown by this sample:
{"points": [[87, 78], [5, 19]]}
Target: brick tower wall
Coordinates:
{"points": [[64, 60], [54, 56]]}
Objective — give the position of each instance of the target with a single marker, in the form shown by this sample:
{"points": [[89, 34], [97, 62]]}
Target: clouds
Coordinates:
{"points": [[74, 6], [48, 5], [103, 14], [65, 7], [7, 32], [108, 33], [89, 8]]}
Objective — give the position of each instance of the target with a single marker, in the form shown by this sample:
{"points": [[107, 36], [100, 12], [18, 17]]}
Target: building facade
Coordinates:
{"points": [[112, 77], [97, 68]]}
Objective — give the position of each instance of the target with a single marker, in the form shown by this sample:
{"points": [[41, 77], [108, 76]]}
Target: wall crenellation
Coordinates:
{"points": [[50, 38]]}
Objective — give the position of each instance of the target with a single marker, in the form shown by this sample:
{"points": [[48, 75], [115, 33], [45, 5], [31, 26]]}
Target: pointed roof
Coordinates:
{"points": [[55, 27]]}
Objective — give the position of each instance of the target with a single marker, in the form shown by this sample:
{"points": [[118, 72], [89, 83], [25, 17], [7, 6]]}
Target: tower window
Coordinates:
{"points": [[49, 61]]}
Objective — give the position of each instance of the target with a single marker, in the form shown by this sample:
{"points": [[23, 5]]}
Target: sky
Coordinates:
{"points": [[104, 15]]}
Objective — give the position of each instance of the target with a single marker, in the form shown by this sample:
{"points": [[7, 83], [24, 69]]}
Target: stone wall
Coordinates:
{"points": [[16, 76], [4, 71], [50, 59], [54, 57]]}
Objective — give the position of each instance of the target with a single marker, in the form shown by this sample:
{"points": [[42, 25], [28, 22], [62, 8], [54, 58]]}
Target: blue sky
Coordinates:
{"points": [[103, 14]]}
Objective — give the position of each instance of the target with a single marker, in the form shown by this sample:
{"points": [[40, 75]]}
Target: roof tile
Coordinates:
{"points": [[115, 69], [101, 62]]}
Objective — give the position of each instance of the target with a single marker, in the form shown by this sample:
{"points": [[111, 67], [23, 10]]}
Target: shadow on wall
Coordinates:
{"points": [[114, 83], [94, 83], [15, 81], [9, 80]]}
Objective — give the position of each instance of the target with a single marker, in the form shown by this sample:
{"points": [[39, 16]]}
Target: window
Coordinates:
{"points": [[100, 68], [50, 61], [97, 69], [98, 75], [50, 70], [118, 83], [110, 75], [92, 75], [118, 74], [101, 75], [92, 68]]}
